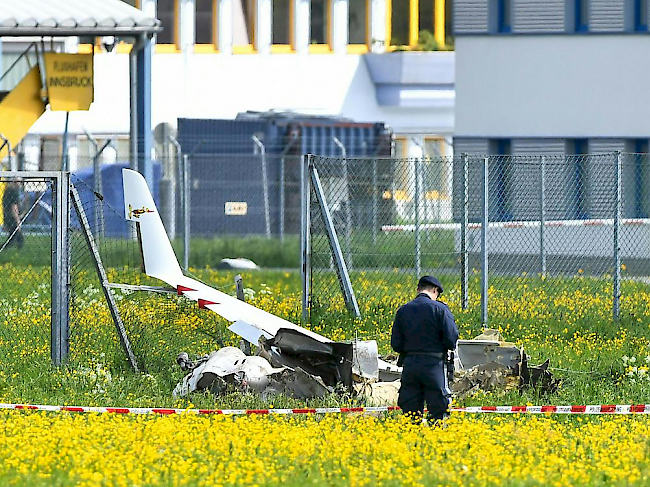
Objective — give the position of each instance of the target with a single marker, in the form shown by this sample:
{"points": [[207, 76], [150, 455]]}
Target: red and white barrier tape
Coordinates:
{"points": [[588, 409]]}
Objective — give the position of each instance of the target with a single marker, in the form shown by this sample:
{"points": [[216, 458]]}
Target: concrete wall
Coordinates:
{"points": [[220, 86], [552, 86]]}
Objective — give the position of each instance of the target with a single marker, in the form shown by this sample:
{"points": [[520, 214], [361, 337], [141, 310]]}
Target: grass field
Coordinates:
{"points": [[566, 320]]}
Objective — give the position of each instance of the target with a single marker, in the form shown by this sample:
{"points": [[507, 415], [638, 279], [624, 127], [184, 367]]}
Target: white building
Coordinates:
{"points": [[217, 58]]}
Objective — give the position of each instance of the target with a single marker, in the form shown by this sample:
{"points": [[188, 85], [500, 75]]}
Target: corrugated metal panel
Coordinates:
{"points": [[531, 147], [607, 15], [538, 16], [44, 17], [470, 146], [606, 146], [470, 17]]}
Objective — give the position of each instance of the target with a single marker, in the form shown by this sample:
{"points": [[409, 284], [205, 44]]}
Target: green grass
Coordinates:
{"points": [[567, 320]]}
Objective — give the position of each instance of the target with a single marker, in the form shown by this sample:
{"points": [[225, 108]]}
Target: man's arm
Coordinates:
{"points": [[449, 330], [397, 336]]}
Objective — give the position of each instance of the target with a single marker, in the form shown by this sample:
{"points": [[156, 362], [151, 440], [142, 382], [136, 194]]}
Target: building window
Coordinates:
{"points": [[243, 25], [205, 21], [167, 13], [358, 22], [581, 15], [418, 23], [436, 170], [319, 22], [577, 149], [400, 23], [504, 16], [500, 178], [282, 23], [641, 15]]}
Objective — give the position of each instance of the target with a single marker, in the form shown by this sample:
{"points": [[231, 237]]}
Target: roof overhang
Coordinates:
{"points": [[64, 18]]}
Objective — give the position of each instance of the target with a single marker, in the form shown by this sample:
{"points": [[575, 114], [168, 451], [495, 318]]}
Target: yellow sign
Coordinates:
{"points": [[69, 80], [236, 208]]}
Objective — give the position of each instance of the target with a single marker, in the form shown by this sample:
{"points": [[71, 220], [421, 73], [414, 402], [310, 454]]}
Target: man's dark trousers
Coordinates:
{"points": [[424, 378]]}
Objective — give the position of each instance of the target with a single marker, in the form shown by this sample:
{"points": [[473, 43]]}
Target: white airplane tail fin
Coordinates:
{"points": [[159, 258]]}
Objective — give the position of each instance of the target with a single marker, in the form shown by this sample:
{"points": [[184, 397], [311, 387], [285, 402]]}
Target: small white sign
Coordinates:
{"points": [[236, 208]]}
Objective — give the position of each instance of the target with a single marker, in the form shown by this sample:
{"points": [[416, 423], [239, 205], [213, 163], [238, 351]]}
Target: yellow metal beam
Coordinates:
{"points": [[439, 19], [21, 108], [414, 23]]}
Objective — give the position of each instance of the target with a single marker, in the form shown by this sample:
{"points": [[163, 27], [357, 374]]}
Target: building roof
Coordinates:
{"points": [[73, 18]]}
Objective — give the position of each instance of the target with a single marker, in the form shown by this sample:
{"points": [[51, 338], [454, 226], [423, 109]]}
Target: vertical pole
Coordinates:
{"points": [[375, 205], [282, 198], [464, 254], [239, 285], [59, 340], [542, 217], [133, 102], [484, 244], [187, 202], [348, 209], [64, 148], [304, 234], [617, 230], [143, 85], [265, 186], [416, 209]]}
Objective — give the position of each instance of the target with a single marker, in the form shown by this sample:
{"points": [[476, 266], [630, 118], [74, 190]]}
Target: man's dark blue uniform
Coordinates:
{"points": [[423, 330]]}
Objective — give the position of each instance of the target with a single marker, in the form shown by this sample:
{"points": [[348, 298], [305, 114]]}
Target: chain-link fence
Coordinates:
{"points": [[26, 270], [542, 221], [113, 302]]}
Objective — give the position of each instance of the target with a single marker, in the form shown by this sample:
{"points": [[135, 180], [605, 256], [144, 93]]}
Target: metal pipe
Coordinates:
{"points": [[416, 218], [375, 205], [464, 254], [305, 249], [186, 212], [98, 183], [265, 186], [59, 342], [484, 244], [348, 214], [133, 102], [64, 149], [176, 179], [542, 217], [617, 231], [292, 141]]}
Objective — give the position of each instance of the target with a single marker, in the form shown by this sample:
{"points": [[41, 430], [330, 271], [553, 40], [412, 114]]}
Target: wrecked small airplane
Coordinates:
{"points": [[290, 359]]}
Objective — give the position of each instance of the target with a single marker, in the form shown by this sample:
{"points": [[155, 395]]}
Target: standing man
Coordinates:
{"points": [[423, 331], [11, 213]]}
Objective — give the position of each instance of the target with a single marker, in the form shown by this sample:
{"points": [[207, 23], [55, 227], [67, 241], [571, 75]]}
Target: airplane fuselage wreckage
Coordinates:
{"points": [[289, 359]]}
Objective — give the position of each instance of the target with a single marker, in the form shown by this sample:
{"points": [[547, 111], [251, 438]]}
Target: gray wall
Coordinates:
{"points": [[552, 86]]}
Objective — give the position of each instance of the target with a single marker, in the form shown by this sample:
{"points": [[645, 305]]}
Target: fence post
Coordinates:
{"points": [[186, 211], [305, 249], [59, 338], [617, 232], [416, 207], [348, 209], [484, 244], [265, 186], [542, 217], [464, 255], [375, 206]]}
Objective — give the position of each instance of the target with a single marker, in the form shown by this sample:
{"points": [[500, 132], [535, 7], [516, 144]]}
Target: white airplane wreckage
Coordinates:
{"points": [[292, 360]]}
